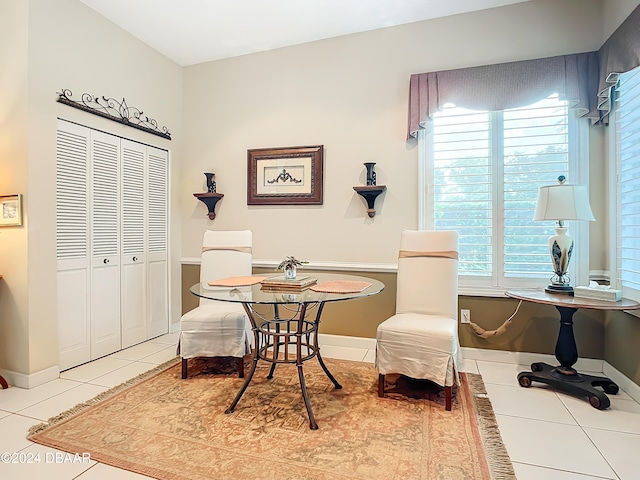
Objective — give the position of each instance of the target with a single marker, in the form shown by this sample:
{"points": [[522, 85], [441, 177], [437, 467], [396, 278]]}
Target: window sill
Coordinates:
{"points": [[496, 292]]}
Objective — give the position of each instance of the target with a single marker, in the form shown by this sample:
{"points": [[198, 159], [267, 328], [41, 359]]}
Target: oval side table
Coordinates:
{"points": [[564, 377]]}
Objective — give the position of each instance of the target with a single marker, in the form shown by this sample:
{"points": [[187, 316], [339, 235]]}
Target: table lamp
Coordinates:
{"points": [[559, 203]]}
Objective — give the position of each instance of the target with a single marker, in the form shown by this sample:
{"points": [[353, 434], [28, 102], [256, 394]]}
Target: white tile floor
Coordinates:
{"points": [[549, 435]]}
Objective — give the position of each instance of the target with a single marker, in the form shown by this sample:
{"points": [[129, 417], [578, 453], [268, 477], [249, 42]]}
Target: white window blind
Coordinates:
{"points": [[482, 171], [627, 145]]}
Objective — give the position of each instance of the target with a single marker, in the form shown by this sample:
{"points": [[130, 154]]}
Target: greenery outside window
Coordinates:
{"points": [[480, 173]]}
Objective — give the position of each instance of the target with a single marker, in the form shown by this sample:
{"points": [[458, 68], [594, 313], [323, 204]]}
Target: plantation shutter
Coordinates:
{"points": [[462, 186], [628, 181], [536, 153], [485, 170]]}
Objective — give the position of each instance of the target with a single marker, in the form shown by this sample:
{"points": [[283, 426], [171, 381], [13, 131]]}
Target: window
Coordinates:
{"points": [[626, 184], [480, 173]]}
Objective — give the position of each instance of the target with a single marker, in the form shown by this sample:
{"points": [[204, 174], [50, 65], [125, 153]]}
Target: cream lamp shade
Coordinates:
{"points": [[559, 203], [563, 202]]}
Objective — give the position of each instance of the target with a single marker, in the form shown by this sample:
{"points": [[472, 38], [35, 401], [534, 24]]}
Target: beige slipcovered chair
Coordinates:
{"points": [[215, 328], [421, 340]]}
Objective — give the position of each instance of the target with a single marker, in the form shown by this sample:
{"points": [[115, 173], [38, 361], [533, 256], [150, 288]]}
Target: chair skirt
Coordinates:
{"points": [[420, 347], [215, 329]]}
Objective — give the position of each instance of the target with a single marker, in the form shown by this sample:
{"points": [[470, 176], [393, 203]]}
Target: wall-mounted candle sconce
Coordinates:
{"points": [[371, 191], [211, 198]]}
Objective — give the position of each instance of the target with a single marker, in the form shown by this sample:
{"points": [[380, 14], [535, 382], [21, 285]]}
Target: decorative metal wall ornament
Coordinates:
{"points": [[285, 177], [114, 110]]}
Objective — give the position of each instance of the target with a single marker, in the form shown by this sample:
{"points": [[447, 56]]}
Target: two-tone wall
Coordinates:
{"points": [[534, 329], [347, 93], [350, 94]]}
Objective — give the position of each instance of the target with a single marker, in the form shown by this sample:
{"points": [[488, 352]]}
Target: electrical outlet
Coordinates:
{"points": [[465, 316]]}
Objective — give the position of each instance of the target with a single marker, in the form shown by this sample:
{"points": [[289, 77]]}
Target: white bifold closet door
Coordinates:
{"points": [[72, 246], [111, 243], [132, 256], [144, 243], [157, 242], [105, 245]]}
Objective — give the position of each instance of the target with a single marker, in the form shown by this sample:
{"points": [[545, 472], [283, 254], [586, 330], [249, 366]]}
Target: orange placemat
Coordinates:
{"points": [[236, 281], [341, 286]]}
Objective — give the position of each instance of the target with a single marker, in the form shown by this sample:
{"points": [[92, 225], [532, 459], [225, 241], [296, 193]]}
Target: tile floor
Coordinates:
{"points": [[549, 435]]}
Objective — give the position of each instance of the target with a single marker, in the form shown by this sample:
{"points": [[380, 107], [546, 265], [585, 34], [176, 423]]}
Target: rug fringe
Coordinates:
{"points": [[497, 456], [100, 397]]}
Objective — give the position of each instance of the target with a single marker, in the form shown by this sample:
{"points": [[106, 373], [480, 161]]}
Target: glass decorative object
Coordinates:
{"points": [[290, 273], [290, 266]]}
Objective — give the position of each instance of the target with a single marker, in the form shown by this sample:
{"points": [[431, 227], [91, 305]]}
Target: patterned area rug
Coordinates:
{"points": [[167, 428]]}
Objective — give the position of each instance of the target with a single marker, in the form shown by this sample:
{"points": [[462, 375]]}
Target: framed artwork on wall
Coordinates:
{"points": [[285, 176], [10, 210]]}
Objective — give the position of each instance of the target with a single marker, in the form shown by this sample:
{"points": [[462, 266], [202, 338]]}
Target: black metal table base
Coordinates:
{"points": [[273, 340], [566, 379]]}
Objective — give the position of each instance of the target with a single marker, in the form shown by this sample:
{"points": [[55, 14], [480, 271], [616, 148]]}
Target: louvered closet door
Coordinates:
{"points": [[157, 241], [133, 257], [105, 234], [72, 245]]}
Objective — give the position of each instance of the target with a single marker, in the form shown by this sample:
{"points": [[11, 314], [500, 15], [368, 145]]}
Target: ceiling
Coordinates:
{"points": [[196, 31]]}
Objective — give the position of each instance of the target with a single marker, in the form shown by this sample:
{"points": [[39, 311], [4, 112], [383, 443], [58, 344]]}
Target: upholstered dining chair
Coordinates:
{"points": [[421, 340], [215, 328]]}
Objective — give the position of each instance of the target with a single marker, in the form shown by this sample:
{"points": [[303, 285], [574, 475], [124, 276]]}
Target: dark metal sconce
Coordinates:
{"points": [[211, 198], [371, 191]]}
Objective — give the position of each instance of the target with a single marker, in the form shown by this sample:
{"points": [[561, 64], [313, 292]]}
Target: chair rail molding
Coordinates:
{"points": [[333, 266]]}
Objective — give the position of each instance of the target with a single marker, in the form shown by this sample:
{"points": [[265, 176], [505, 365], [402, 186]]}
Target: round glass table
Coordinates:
{"points": [[285, 321]]}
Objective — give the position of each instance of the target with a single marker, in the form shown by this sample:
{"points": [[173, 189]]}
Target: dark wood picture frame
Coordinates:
{"points": [[285, 176]]}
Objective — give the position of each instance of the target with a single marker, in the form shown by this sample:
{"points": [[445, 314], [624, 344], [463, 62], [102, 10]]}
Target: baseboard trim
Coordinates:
{"points": [[346, 341], [583, 364], [31, 380], [526, 358], [625, 383]]}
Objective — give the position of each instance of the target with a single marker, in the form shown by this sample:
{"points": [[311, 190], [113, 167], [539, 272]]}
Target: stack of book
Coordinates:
{"points": [[280, 283]]}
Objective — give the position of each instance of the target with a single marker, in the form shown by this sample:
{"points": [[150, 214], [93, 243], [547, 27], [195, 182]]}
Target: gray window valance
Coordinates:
{"points": [[505, 85], [586, 80], [619, 54]]}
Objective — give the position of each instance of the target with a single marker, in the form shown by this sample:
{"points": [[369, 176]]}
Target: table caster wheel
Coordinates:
{"points": [[599, 401], [611, 388], [536, 367], [524, 381]]}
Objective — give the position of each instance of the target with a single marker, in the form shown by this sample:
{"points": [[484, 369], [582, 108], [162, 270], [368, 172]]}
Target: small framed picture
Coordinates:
{"points": [[285, 176], [10, 210]]}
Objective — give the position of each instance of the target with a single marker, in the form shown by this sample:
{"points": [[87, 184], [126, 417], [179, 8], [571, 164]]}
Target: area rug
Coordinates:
{"points": [[168, 428]]}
